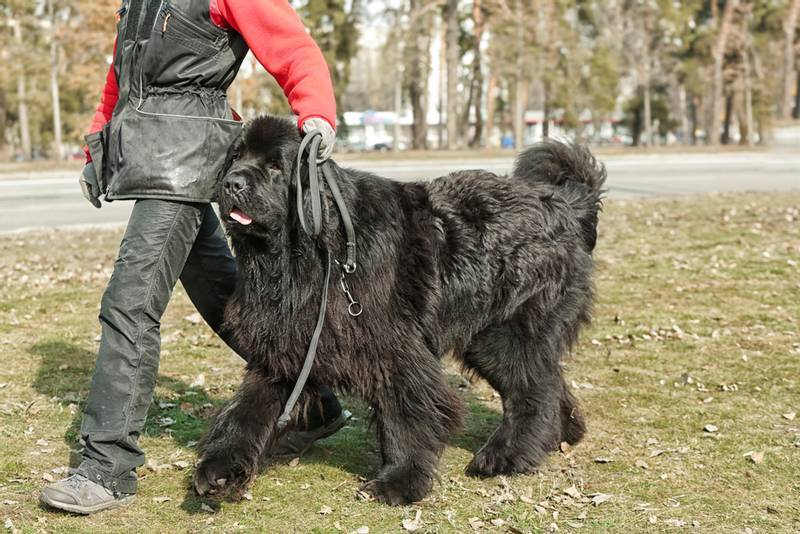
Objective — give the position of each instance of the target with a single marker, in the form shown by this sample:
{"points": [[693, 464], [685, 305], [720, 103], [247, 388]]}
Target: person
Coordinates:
{"points": [[160, 137]]}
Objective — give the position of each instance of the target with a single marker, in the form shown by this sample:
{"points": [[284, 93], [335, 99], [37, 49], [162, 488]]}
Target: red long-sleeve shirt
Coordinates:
{"points": [[278, 39]]}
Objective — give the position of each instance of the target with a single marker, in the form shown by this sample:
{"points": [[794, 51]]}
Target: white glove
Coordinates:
{"points": [[328, 136], [90, 186]]}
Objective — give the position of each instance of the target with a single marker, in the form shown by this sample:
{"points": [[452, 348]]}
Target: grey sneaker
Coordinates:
{"points": [[79, 495], [297, 442]]}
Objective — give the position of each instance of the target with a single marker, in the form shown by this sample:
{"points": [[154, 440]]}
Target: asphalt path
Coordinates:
{"points": [[53, 199]]}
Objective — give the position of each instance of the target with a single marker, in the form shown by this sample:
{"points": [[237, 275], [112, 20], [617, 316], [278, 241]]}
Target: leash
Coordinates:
{"points": [[311, 144]]}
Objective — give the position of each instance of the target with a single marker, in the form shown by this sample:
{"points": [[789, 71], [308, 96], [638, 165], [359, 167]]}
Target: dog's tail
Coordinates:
{"points": [[572, 168]]}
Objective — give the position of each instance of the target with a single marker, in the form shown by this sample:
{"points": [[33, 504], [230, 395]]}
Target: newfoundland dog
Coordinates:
{"points": [[496, 270]]}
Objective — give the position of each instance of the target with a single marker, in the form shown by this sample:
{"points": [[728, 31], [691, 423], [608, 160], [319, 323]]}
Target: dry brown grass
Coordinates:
{"points": [[696, 325]]}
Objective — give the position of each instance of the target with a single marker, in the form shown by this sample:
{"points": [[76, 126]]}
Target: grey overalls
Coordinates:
{"points": [[165, 146]]}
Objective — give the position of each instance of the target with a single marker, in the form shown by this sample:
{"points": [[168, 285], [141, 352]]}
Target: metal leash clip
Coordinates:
{"points": [[355, 309]]}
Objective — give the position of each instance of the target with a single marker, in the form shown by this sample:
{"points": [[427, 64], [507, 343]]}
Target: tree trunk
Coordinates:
{"points": [[442, 85], [490, 107], [453, 56], [477, 72], [796, 113], [54, 89], [519, 85], [726, 125], [789, 31], [718, 82], [546, 111], [22, 98], [648, 99], [417, 79], [648, 114], [398, 97], [685, 137]]}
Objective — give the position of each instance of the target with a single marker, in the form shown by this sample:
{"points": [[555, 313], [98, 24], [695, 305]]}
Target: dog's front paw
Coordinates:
{"points": [[220, 477], [397, 490], [490, 462]]}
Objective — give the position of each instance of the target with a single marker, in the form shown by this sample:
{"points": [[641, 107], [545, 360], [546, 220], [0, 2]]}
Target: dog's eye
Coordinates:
{"points": [[275, 167]]}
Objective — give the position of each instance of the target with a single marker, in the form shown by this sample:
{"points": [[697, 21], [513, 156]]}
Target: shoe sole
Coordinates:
{"points": [[315, 435], [87, 510]]}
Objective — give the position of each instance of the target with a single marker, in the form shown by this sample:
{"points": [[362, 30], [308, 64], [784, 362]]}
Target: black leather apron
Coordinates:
{"points": [[172, 126]]}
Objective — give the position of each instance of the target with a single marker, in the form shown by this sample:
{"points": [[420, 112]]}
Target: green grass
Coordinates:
{"points": [[696, 324]]}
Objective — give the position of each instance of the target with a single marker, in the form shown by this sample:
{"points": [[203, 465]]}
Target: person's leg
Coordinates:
{"points": [[157, 242], [209, 278]]}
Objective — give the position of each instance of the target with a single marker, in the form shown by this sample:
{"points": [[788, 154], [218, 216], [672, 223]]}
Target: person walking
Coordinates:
{"points": [[160, 137]]}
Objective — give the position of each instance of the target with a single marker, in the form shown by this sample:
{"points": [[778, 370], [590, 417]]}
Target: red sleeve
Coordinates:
{"points": [[277, 37], [108, 101]]}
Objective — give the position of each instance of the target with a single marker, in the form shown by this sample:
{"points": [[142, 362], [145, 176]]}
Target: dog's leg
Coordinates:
{"points": [[415, 415], [241, 432], [527, 374]]}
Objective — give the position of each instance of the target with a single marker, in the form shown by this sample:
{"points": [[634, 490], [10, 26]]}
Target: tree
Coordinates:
{"points": [[724, 29], [789, 55], [452, 31]]}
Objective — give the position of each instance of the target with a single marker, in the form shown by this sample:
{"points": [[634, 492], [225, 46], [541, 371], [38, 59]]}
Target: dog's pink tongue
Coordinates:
{"points": [[241, 217]]}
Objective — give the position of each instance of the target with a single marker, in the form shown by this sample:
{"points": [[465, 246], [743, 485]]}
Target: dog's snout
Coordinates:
{"points": [[234, 183]]}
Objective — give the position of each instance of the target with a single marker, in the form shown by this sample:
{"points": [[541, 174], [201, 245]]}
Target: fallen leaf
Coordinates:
{"points": [[194, 318], [498, 522], [10, 526], [603, 460], [325, 510], [295, 462], [573, 492], [476, 523], [48, 477], [206, 508], [757, 457], [642, 464], [565, 447], [413, 524], [199, 381], [600, 498], [790, 416], [248, 496], [161, 500], [651, 441], [42, 443], [9, 502], [181, 464], [361, 530], [710, 428]]}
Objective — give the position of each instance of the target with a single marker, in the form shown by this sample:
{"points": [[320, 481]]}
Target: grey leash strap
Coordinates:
{"points": [[311, 144]]}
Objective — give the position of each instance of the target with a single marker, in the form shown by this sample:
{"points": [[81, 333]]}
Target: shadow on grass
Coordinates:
{"points": [[65, 373]]}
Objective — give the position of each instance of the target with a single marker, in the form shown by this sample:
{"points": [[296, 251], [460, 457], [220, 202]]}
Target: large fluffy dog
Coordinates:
{"points": [[496, 269]]}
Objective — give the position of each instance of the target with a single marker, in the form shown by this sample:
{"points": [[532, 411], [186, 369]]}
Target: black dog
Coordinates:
{"points": [[497, 270]]}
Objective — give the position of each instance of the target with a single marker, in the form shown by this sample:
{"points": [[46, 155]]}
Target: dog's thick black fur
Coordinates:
{"points": [[497, 270]]}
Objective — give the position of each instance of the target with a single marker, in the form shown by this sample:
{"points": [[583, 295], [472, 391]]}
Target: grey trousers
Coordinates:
{"points": [[164, 241]]}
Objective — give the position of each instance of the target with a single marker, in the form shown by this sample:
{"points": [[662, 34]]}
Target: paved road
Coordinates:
{"points": [[53, 199]]}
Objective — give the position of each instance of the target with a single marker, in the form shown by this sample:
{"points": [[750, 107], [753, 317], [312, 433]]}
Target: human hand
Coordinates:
{"points": [[328, 136], [90, 186]]}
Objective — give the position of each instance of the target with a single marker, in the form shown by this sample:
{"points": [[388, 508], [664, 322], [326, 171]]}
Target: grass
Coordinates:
{"points": [[696, 324]]}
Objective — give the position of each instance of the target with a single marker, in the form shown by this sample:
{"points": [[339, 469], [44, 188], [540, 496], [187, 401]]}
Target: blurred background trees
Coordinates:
{"points": [[457, 73]]}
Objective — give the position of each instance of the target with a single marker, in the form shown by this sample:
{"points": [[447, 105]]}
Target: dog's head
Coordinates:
{"points": [[254, 190]]}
